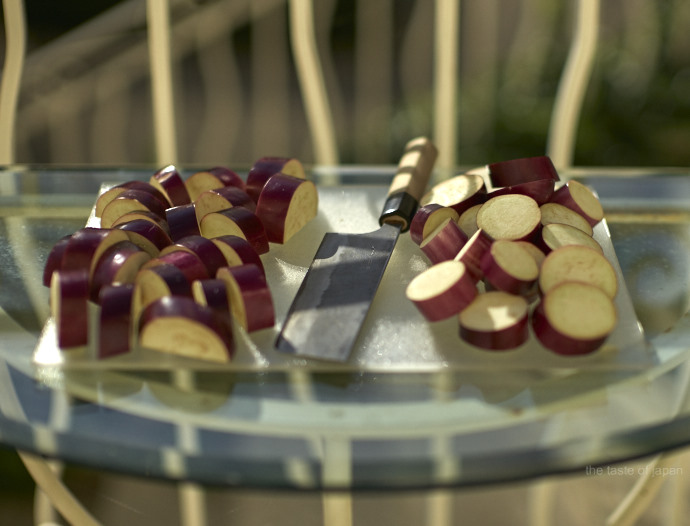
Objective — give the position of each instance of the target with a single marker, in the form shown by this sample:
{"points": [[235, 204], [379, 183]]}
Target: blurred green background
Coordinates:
{"points": [[86, 95]]}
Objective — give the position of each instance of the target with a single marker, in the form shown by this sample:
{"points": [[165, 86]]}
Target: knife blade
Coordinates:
{"points": [[333, 300]]}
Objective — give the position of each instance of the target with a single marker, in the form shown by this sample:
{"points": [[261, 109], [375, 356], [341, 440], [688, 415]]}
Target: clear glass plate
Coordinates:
{"points": [[414, 407]]}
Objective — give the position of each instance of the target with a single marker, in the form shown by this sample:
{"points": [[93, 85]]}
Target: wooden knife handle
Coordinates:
{"points": [[410, 181]]}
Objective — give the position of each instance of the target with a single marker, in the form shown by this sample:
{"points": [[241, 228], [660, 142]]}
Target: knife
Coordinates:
{"points": [[332, 302]]}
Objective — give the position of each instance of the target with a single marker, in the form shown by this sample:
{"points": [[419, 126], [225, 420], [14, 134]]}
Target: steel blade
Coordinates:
{"points": [[334, 298]]}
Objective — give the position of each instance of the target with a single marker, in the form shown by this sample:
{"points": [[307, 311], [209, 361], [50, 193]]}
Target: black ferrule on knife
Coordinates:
{"points": [[399, 207]]}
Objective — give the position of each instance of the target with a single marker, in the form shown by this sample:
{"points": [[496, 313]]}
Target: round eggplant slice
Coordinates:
{"points": [[115, 327], [514, 217], [518, 171], [578, 263], [460, 192], [581, 199], [428, 218], [251, 302], [264, 168], [179, 325], [574, 318], [69, 306], [212, 179], [236, 221], [286, 204], [169, 182], [510, 267], [495, 321], [442, 291]]}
